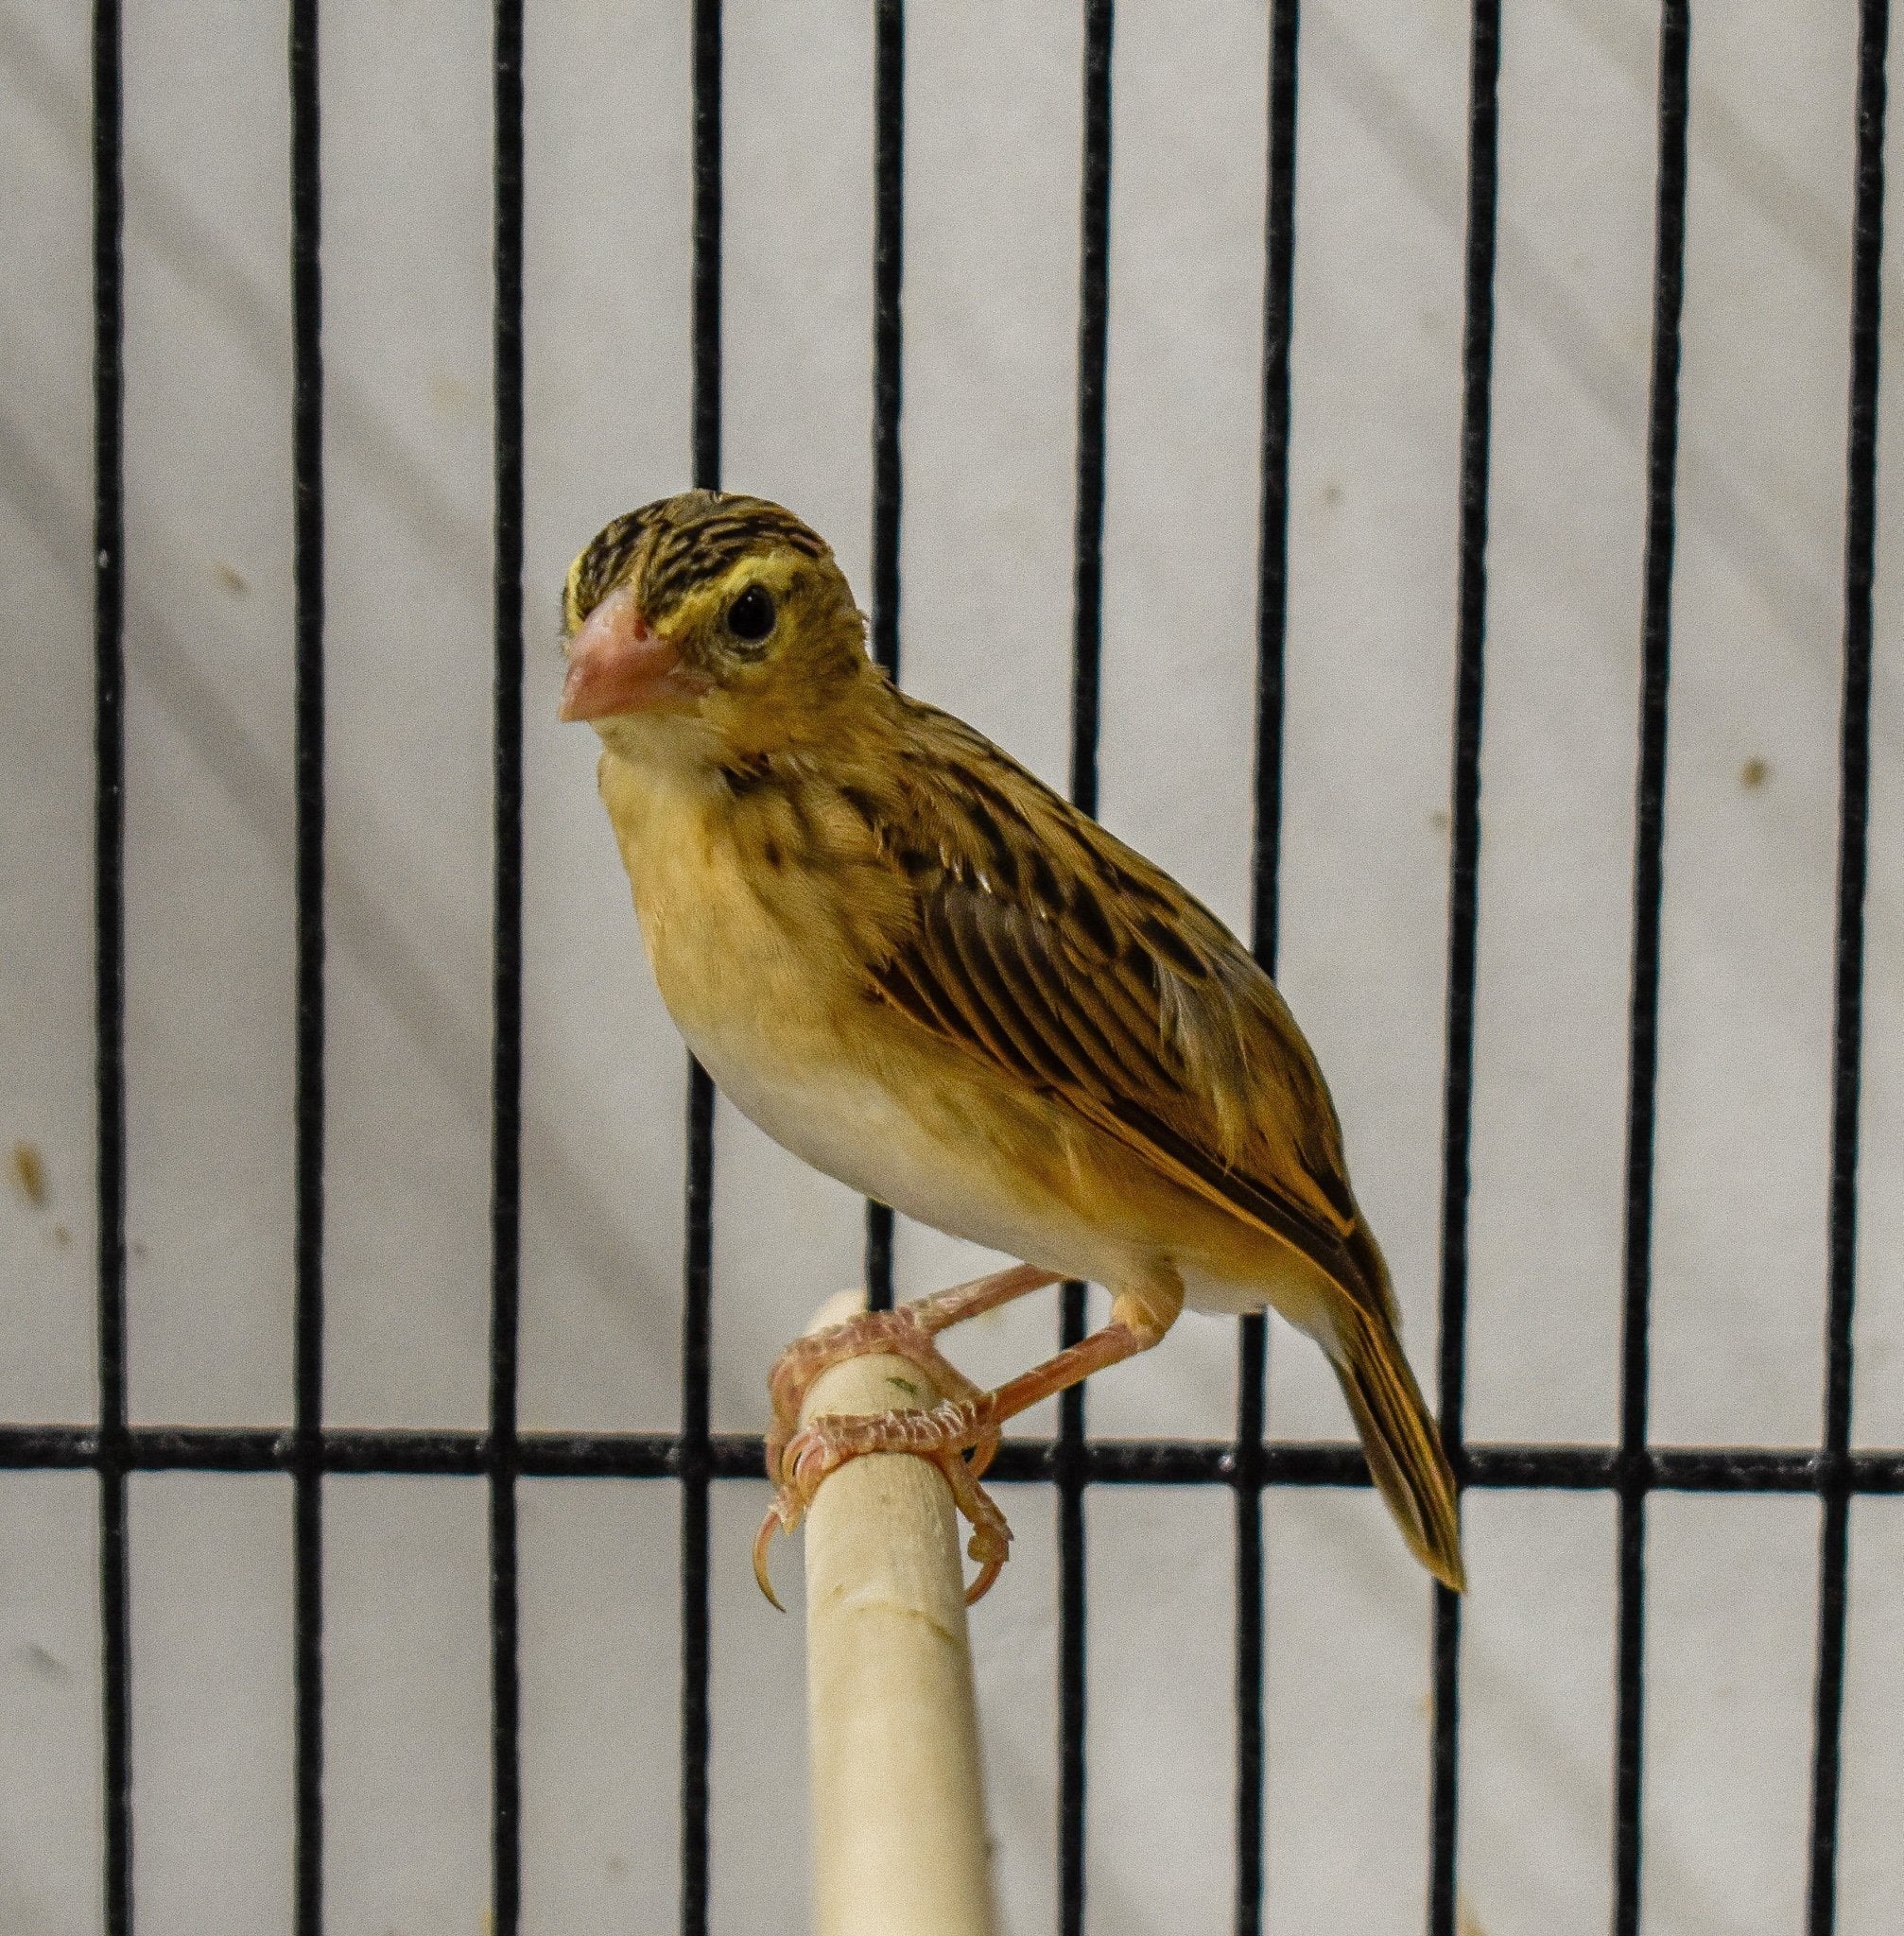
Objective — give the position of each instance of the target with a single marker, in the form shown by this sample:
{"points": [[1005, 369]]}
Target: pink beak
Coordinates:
{"points": [[615, 665]]}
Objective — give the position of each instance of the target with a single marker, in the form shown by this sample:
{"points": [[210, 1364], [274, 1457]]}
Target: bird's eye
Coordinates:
{"points": [[751, 616]]}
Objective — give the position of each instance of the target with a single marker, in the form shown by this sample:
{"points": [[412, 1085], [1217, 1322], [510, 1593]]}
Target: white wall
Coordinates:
{"points": [[993, 135]]}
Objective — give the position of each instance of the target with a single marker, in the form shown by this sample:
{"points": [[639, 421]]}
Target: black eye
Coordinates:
{"points": [[751, 616]]}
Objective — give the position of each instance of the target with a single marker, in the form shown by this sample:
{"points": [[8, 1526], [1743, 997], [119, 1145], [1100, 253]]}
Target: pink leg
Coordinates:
{"points": [[945, 1308]]}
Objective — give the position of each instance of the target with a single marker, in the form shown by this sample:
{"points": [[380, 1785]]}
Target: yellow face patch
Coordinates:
{"points": [[706, 611]]}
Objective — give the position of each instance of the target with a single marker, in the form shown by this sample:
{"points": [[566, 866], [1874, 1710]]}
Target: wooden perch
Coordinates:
{"points": [[898, 1802]]}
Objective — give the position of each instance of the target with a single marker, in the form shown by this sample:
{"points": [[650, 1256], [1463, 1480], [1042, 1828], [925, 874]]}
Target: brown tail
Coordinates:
{"points": [[1400, 1438]]}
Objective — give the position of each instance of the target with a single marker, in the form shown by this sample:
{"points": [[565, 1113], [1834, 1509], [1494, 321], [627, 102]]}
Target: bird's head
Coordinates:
{"points": [[708, 617]]}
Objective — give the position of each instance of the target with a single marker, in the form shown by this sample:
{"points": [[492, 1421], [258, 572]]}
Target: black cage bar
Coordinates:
{"points": [[1630, 1471]]}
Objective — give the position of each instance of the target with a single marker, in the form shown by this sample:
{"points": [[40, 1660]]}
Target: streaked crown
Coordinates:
{"points": [[674, 545]]}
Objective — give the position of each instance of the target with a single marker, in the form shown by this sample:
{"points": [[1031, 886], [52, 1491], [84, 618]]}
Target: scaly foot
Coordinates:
{"points": [[799, 1457]]}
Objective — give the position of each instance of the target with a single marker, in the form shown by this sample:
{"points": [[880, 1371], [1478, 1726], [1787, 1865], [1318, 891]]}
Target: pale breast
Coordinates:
{"points": [[711, 942]]}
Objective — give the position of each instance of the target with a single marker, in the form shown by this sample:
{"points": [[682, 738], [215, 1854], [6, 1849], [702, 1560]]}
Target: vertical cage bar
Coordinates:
{"points": [[1070, 1477], [307, 457], [1861, 559], [1251, 1387], [889, 261], [1094, 302], [697, 1318], [1094, 306], [1484, 182], [506, 1047], [1649, 888], [1273, 558], [1273, 540], [696, 1618], [108, 960], [705, 272]]}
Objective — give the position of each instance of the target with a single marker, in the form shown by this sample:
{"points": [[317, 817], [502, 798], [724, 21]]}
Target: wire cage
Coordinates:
{"points": [[1249, 1467]]}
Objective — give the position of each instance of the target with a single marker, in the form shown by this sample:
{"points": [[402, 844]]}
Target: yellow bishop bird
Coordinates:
{"points": [[927, 974]]}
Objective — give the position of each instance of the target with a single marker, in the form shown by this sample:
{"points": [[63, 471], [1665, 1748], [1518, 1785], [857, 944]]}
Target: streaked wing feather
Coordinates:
{"points": [[1045, 948]]}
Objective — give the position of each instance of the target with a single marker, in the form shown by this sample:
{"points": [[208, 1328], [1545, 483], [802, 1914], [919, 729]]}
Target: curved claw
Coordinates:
{"points": [[990, 1558], [776, 1521], [983, 1453], [991, 1551], [991, 1540], [796, 1475]]}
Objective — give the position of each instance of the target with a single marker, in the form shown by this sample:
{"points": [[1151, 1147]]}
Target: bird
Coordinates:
{"points": [[929, 974]]}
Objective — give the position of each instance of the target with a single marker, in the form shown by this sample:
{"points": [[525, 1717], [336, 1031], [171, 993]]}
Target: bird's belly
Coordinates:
{"points": [[910, 1152], [920, 1154], [918, 1157]]}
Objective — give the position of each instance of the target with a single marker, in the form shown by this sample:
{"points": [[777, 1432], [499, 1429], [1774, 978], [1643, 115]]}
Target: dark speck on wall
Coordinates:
{"points": [[41, 1663], [29, 1173]]}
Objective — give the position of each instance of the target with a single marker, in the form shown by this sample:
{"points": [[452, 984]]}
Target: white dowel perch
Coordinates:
{"points": [[898, 1804]]}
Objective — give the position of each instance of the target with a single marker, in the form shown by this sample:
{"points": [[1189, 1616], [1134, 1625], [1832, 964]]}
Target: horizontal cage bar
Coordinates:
{"points": [[344, 1451]]}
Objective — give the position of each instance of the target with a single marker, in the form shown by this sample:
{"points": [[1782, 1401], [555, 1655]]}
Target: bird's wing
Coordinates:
{"points": [[1039, 944]]}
